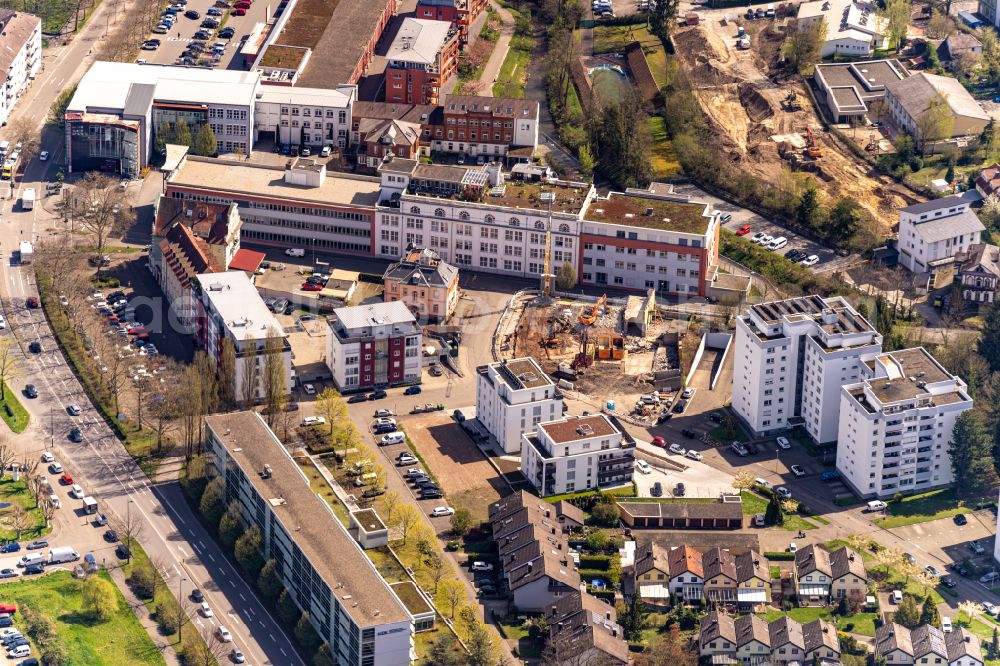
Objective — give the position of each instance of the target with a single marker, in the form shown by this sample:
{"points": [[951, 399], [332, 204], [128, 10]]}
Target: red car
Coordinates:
{"points": [[32, 302], [309, 286], [239, 12], [743, 231], [8, 608], [659, 441], [66, 479]]}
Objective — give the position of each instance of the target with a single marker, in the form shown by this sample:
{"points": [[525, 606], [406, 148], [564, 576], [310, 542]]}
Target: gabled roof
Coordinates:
{"points": [[926, 640], [820, 634], [187, 255], [786, 631], [570, 513], [751, 564], [716, 625], [579, 622], [891, 637], [915, 93], [423, 268], [207, 220], [812, 558], [981, 258], [719, 562], [844, 561], [400, 132], [751, 628], [552, 564], [684, 559], [963, 643]]}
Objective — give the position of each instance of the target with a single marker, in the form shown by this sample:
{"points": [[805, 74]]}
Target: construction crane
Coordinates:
{"points": [[588, 318], [548, 277], [583, 359], [813, 149]]}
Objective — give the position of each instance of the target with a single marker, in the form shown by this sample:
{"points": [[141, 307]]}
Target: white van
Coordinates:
{"points": [[295, 252], [896, 597], [54, 501], [946, 625], [876, 505], [392, 438], [777, 243], [365, 479], [31, 558]]}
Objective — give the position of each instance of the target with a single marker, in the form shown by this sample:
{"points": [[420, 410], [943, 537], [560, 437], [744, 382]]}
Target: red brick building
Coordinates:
{"points": [[460, 13], [422, 58]]}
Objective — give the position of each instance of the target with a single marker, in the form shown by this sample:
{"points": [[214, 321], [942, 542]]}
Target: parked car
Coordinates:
{"points": [[357, 397], [224, 635], [31, 391], [743, 231], [659, 441], [643, 466], [829, 476], [679, 490], [412, 390], [960, 519], [693, 455], [75, 435], [656, 490], [783, 443], [481, 566], [678, 449], [797, 470], [313, 421], [784, 492], [377, 395], [440, 511], [37, 544]]}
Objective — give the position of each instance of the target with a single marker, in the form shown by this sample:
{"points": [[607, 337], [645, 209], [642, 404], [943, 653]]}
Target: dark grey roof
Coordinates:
{"points": [[429, 270], [716, 625], [927, 640], [934, 204], [818, 634], [785, 631], [963, 643], [140, 96]]}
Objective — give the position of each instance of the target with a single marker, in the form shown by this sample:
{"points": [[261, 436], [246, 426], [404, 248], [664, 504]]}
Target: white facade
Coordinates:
{"points": [[374, 346], [512, 397], [853, 28], [314, 117], [20, 57], [577, 453], [230, 307], [936, 230], [792, 357], [896, 424]]}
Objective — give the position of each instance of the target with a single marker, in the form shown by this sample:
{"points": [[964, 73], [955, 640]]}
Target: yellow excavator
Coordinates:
{"points": [[587, 318]]}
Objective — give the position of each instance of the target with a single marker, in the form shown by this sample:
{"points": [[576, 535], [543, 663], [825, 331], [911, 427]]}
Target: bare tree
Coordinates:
{"points": [[104, 210], [48, 511], [10, 365], [24, 131], [38, 484], [7, 458], [208, 400], [130, 528], [208, 652], [18, 520], [227, 376], [249, 382], [275, 375]]}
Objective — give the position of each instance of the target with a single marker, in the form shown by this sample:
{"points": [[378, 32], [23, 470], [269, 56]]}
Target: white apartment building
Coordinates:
{"points": [[896, 424], [374, 346], [853, 27], [936, 230], [314, 117], [514, 396], [229, 306], [577, 453], [20, 57], [792, 357], [323, 568]]}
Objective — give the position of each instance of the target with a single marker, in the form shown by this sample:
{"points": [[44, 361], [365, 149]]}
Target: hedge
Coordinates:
{"points": [[779, 555], [601, 562]]}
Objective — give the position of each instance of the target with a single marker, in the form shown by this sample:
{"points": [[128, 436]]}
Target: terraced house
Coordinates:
{"points": [[821, 576], [748, 639], [927, 644]]}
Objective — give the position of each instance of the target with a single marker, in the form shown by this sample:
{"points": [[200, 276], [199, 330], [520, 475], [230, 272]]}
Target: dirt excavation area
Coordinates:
{"points": [[757, 127]]}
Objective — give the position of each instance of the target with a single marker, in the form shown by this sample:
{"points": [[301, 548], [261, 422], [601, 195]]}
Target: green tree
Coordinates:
{"points": [[481, 650], [989, 340], [444, 652], [661, 17], [843, 608], [620, 136], [143, 580], [227, 376], [971, 452], [907, 613], [275, 375], [100, 598], [605, 514], [587, 161], [845, 220], [897, 16], [230, 527], [598, 540], [269, 583], [808, 209], [182, 133], [288, 612], [633, 618], [212, 500], [166, 618], [566, 276], [323, 656], [247, 551], [773, 515], [305, 634], [204, 142], [803, 44], [936, 123], [929, 613], [461, 522]]}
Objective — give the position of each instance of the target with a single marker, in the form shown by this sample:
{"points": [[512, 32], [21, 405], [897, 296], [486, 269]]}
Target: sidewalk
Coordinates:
{"points": [[165, 648], [492, 68]]}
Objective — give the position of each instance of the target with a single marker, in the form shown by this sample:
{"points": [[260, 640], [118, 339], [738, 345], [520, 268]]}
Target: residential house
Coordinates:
{"points": [[964, 648], [422, 59], [748, 639], [821, 642], [374, 346], [988, 180], [910, 104], [848, 576], [753, 639], [20, 57], [652, 574], [812, 575], [753, 580], [380, 137], [686, 573], [183, 256], [898, 645], [853, 28], [584, 630], [788, 645], [979, 272], [719, 566], [512, 397], [717, 637], [427, 284], [959, 46], [933, 232], [570, 516]]}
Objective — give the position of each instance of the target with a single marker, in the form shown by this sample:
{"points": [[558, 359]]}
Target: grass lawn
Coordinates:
{"points": [[921, 508], [754, 504], [526, 647], [661, 154], [323, 489], [17, 493], [13, 412], [119, 641], [835, 544], [864, 623], [775, 571], [514, 71]]}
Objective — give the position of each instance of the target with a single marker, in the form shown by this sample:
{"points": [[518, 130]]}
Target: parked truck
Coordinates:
{"points": [[26, 252], [89, 505], [28, 198], [63, 554]]}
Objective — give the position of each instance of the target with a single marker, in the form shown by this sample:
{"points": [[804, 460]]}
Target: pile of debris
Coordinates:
{"points": [[634, 344]]}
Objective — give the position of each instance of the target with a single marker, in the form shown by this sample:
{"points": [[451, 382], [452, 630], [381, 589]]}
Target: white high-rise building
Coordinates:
{"points": [[896, 424], [791, 359], [577, 453], [512, 397]]}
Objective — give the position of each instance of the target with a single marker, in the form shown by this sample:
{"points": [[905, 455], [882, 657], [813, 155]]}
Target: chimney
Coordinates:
{"points": [[608, 615], [851, 557]]}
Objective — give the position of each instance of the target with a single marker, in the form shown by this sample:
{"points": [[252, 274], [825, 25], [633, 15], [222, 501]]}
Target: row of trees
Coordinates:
{"points": [[200, 141]]}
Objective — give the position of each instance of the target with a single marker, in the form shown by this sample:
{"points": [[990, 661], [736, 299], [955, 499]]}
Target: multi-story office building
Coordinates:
{"points": [[792, 357], [20, 56], [422, 59], [512, 397], [577, 453], [936, 230], [374, 346], [325, 571], [113, 118], [230, 307], [896, 424], [296, 116]]}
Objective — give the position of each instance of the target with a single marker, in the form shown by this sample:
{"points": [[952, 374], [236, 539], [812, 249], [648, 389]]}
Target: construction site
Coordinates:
{"points": [[767, 124], [608, 351]]}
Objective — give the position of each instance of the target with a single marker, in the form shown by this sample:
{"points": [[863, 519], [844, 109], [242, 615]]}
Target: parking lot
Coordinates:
{"points": [[176, 40]]}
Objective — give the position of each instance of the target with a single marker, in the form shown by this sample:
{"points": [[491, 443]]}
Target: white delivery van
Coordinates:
{"points": [[896, 597], [63, 554], [365, 479], [31, 558], [295, 252], [89, 505], [392, 438], [876, 505], [777, 243], [28, 198], [54, 501]]}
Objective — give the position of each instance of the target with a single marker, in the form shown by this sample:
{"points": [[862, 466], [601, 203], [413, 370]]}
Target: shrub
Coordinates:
{"points": [[166, 619], [142, 580], [605, 513], [779, 555]]}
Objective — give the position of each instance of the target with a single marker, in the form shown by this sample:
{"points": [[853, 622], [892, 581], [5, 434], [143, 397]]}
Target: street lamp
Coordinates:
{"points": [[128, 531], [180, 605]]}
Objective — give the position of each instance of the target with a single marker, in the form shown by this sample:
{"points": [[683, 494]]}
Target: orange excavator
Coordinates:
{"points": [[587, 318], [813, 149]]}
